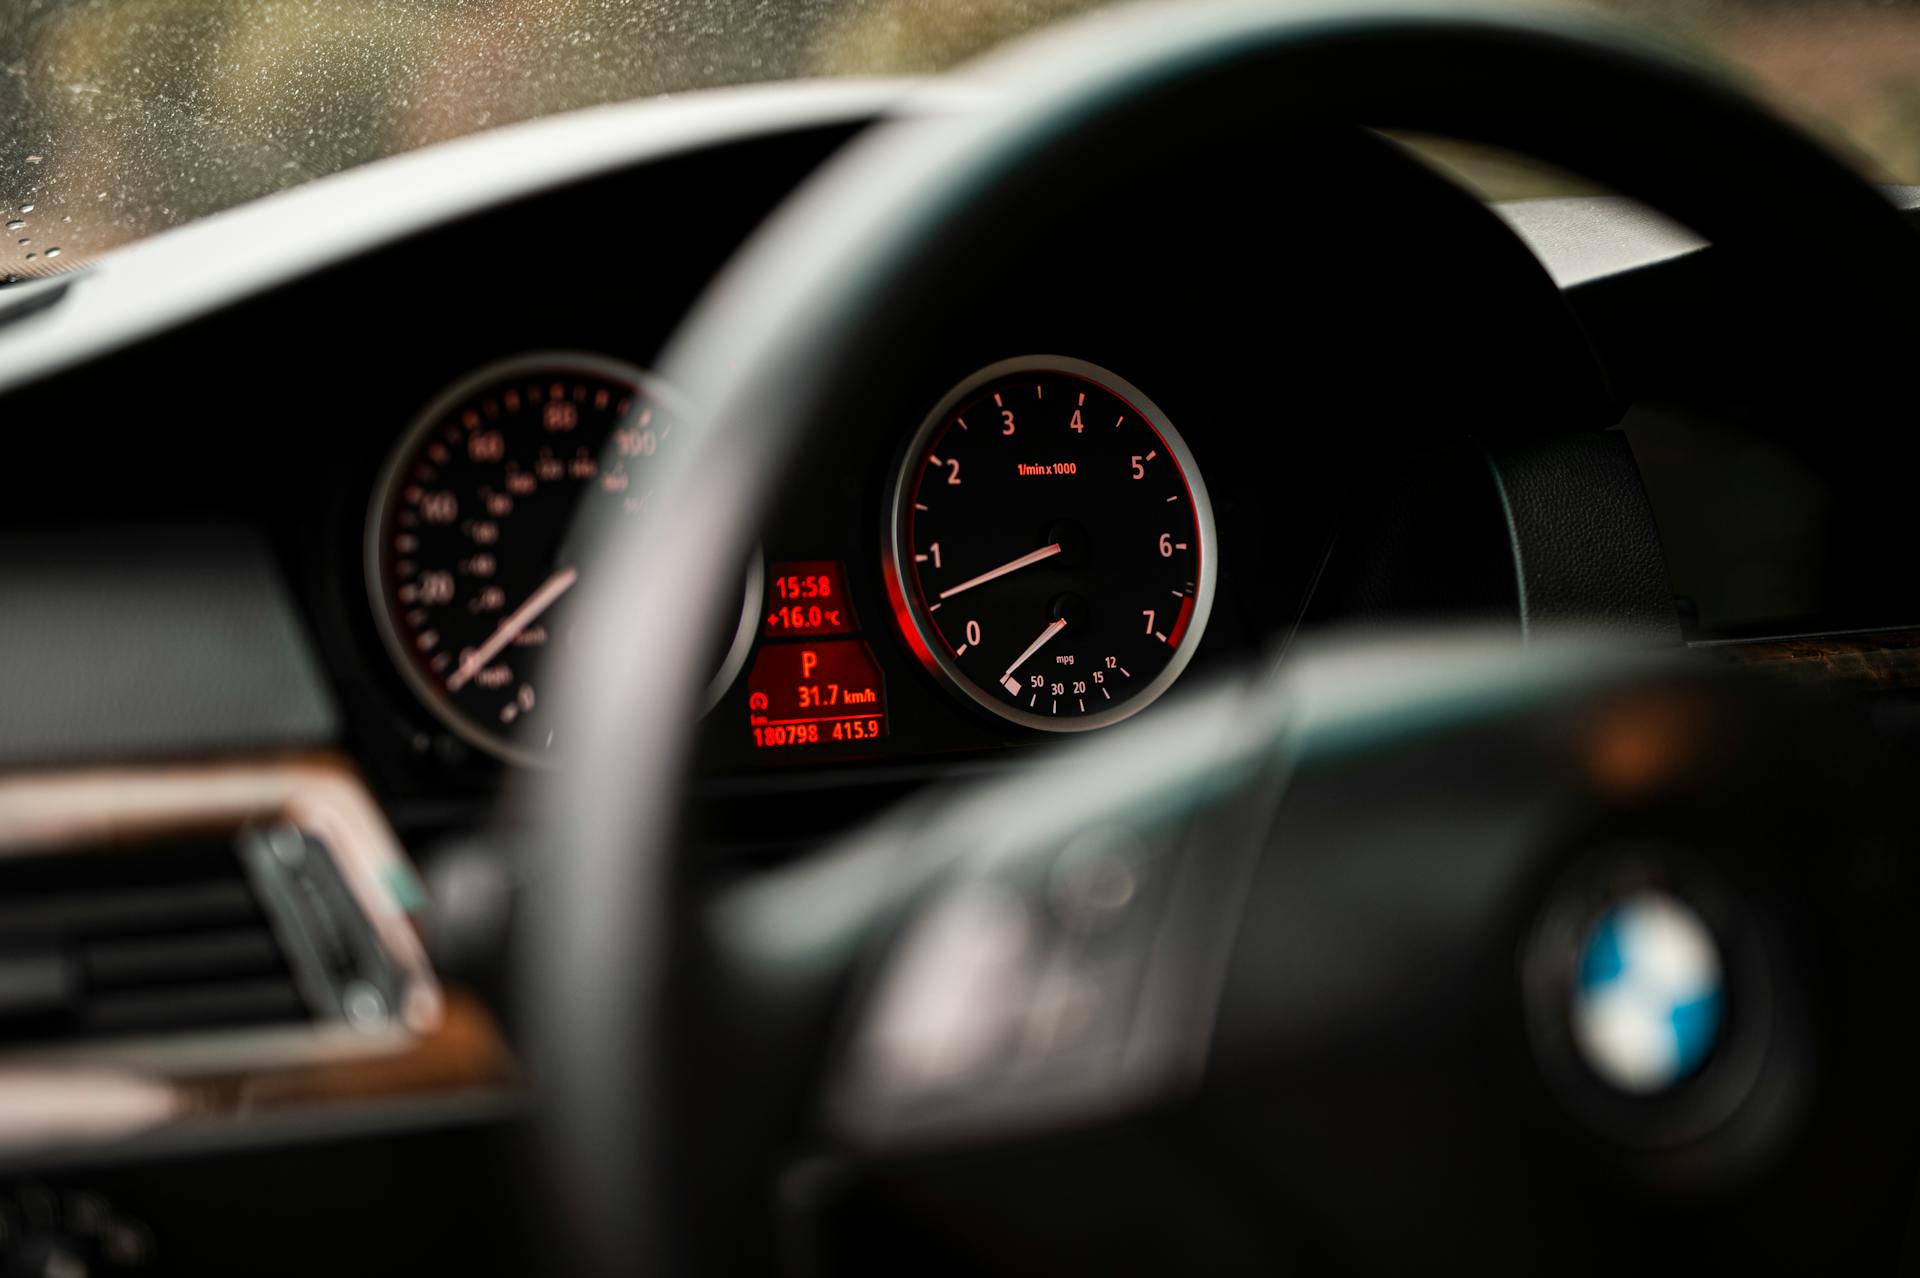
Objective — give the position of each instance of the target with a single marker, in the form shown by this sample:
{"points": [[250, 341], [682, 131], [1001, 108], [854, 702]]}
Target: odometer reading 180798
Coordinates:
{"points": [[1052, 544]]}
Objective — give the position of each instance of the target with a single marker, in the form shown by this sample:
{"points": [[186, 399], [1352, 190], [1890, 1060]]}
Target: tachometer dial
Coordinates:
{"points": [[470, 560], [1052, 544]]}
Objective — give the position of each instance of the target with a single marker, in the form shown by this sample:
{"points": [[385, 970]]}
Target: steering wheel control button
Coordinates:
{"points": [[1648, 993], [1096, 879], [950, 1010], [1011, 1000]]}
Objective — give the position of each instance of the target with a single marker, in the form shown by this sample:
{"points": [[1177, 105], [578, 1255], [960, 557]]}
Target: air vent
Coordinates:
{"points": [[246, 929], [156, 939]]}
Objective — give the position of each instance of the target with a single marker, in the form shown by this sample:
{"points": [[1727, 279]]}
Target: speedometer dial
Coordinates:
{"points": [[1052, 544], [470, 557]]}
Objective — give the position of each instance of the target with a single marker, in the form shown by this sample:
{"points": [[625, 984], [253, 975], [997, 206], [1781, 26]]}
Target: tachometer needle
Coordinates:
{"points": [[1026, 560], [1021, 660], [523, 616]]}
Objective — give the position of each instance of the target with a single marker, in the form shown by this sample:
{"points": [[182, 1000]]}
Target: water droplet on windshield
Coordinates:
{"points": [[53, 252], [35, 159], [15, 224], [26, 208]]}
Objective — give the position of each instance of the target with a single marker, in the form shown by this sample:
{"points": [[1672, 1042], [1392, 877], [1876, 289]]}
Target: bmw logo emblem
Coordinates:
{"points": [[1648, 994], [1651, 1006]]}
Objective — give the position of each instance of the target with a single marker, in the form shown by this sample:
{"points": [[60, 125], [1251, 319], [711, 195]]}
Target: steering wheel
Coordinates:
{"points": [[1278, 972]]}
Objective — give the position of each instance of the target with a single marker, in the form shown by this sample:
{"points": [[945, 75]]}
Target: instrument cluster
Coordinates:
{"points": [[1043, 557]]}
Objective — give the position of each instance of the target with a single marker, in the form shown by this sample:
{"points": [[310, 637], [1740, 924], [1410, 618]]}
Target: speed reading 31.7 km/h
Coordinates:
{"points": [[1052, 548]]}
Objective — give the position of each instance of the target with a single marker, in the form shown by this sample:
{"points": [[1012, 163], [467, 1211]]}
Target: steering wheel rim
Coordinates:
{"points": [[774, 343]]}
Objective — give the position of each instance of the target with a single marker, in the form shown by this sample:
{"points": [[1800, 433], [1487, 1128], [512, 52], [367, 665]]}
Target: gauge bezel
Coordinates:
{"points": [[904, 594], [378, 528]]}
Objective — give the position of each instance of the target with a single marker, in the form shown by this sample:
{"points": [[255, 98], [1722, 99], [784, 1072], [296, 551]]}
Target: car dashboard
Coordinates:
{"points": [[297, 404], [303, 416], [309, 416], [317, 460]]}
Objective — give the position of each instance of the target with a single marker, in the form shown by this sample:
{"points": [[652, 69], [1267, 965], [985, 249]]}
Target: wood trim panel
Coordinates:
{"points": [[1885, 659], [439, 1043]]}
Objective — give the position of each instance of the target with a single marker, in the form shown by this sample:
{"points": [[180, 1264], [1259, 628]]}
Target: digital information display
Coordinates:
{"points": [[807, 597], [804, 694]]}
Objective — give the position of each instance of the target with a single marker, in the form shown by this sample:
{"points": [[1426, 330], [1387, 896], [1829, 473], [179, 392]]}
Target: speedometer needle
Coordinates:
{"points": [[1032, 648], [1031, 557], [523, 616]]}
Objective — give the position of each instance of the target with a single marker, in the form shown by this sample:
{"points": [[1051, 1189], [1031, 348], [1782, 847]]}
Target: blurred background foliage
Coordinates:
{"points": [[119, 118]]}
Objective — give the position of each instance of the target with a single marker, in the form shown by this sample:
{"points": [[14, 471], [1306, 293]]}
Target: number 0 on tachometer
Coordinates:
{"points": [[1052, 549]]}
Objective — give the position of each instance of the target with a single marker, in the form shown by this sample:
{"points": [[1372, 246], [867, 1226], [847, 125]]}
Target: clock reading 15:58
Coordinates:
{"points": [[808, 597], [1052, 546]]}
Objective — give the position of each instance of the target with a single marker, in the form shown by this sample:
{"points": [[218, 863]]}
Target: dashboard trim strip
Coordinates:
{"points": [[113, 1089]]}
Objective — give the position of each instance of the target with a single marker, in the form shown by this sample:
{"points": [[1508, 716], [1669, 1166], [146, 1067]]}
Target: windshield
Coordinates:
{"points": [[120, 118]]}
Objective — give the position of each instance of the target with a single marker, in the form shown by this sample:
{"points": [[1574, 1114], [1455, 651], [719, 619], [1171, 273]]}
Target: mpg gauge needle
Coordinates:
{"points": [[1006, 679], [1030, 558], [523, 616]]}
